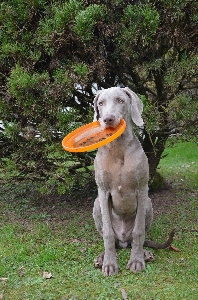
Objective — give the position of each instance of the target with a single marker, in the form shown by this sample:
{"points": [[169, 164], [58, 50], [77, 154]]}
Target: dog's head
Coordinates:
{"points": [[113, 104]]}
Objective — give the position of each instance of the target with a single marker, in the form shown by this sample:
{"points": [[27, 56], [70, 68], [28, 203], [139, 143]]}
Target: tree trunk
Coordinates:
{"points": [[154, 147]]}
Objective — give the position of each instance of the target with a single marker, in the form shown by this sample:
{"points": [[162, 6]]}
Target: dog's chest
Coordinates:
{"points": [[115, 172]]}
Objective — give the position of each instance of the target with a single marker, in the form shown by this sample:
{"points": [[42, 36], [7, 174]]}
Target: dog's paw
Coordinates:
{"points": [[136, 265], [109, 269], [98, 261], [110, 266], [148, 256]]}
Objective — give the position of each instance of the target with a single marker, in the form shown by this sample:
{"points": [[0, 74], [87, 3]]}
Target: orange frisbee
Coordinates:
{"points": [[91, 136]]}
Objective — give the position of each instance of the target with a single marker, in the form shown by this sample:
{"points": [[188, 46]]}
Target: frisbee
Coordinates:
{"points": [[91, 136]]}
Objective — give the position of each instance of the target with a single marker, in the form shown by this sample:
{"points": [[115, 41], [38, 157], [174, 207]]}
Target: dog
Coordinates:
{"points": [[122, 211]]}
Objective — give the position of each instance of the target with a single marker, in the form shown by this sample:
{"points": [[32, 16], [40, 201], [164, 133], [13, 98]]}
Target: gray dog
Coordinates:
{"points": [[122, 211]]}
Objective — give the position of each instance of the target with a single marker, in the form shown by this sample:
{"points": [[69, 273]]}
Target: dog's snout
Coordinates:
{"points": [[109, 119]]}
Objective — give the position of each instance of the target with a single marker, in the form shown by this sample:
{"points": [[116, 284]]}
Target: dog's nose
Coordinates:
{"points": [[109, 119]]}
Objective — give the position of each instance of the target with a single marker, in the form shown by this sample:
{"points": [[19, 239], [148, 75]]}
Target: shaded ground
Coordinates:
{"points": [[62, 208], [162, 201]]}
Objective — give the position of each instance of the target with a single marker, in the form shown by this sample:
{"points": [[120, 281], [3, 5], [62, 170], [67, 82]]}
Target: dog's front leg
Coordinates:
{"points": [[110, 265], [136, 262]]}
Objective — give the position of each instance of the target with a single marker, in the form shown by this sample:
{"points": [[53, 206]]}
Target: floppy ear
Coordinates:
{"points": [[96, 111], [136, 107]]}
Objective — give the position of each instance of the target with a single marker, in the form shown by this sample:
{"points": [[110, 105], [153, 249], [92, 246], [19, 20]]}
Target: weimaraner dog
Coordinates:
{"points": [[122, 211]]}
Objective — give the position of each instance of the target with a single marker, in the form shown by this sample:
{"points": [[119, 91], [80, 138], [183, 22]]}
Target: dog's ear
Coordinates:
{"points": [[136, 107], [96, 111]]}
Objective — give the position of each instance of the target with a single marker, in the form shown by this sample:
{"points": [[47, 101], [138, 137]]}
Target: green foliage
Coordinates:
{"points": [[61, 76], [25, 87], [87, 19], [8, 169], [140, 24], [81, 69], [56, 22], [11, 130], [184, 110], [66, 13], [151, 116], [54, 55], [184, 66]]}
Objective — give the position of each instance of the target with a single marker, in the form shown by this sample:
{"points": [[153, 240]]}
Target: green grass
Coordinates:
{"points": [[60, 237], [181, 164]]}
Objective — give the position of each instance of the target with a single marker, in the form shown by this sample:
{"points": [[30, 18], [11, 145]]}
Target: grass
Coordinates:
{"points": [[58, 236], [181, 164]]}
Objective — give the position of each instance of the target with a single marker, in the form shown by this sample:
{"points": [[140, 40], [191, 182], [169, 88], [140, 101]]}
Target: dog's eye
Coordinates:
{"points": [[100, 103], [120, 101]]}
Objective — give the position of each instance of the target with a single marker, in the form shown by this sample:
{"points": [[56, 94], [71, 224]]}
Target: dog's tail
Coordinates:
{"points": [[156, 245]]}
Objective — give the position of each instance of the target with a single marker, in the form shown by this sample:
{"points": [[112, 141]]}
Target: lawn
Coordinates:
{"points": [[55, 237]]}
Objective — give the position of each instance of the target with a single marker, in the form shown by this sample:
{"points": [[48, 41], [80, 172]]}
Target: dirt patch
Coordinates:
{"points": [[164, 201], [56, 208], [64, 207]]}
